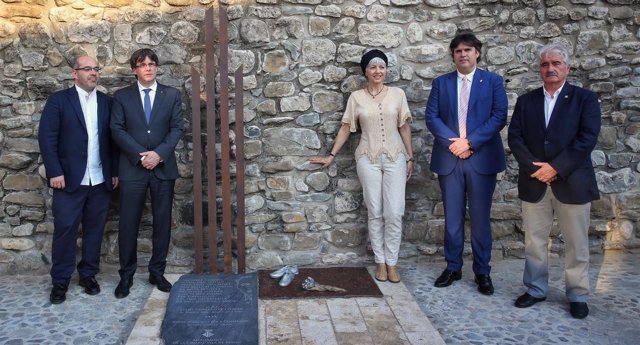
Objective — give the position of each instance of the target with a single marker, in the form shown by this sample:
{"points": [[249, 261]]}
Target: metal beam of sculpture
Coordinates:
{"points": [[210, 74]]}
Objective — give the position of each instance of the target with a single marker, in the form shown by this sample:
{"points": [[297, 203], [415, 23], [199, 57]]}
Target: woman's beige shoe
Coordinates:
{"points": [[393, 274], [381, 272]]}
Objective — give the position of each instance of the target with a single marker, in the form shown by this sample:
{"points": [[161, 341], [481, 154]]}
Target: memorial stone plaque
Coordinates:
{"points": [[212, 309]]}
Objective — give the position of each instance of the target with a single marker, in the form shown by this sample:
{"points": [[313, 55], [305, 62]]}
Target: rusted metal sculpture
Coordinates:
{"points": [[227, 231]]}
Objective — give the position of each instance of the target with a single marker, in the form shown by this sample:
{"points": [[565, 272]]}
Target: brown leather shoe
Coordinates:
{"points": [[393, 274], [381, 272]]}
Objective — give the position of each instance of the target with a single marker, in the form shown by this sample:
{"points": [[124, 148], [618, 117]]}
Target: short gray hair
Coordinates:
{"points": [[555, 48]]}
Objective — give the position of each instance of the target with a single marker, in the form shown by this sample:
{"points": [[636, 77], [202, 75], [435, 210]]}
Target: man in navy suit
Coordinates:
{"points": [[552, 133], [465, 112], [75, 144], [146, 123]]}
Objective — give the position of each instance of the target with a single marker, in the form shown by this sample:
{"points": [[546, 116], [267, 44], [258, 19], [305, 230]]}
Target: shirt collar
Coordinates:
{"points": [[555, 94], [84, 93], [152, 87], [469, 76]]}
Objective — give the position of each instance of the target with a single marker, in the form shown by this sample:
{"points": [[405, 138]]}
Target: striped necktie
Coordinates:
{"points": [[464, 106]]}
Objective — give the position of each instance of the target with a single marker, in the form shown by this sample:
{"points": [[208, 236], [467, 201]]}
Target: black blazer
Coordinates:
{"points": [[566, 144], [133, 135], [63, 138]]}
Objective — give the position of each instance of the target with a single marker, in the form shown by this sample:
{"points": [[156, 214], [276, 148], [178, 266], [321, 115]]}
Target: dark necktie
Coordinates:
{"points": [[147, 104]]}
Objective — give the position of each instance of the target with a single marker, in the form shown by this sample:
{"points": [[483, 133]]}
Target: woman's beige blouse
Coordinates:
{"points": [[379, 120]]}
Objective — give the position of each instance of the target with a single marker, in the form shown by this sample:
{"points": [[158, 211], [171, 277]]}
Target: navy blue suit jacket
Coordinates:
{"points": [[133, 135], [63, 138], [566, 144], [486, 116]]}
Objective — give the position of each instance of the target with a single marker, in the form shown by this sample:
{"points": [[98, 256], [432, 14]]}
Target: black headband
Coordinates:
{"points": [[370, 55]]}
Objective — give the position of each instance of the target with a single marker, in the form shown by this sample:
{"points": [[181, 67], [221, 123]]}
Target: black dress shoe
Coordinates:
{"points": [[526, 300], [484, 284], [58, 292], [447, 277], [90, 285], [160, 281], [122, 290], [579, 310]]}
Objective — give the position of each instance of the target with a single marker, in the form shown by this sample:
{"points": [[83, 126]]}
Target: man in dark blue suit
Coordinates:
{"points": [[465, 112], [75, 144], [146, 123], [552, 133]]}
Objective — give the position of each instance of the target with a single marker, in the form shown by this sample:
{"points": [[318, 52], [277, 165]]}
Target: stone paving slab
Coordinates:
{"points": [[322, 321], [393, 319], [316, 326]]}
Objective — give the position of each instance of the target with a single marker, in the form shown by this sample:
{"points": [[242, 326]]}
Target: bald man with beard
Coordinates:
{"points": [[81, 167]]}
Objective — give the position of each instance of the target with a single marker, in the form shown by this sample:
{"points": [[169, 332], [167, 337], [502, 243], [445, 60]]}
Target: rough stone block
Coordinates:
{"points": [[339, 258], [18, 244], [292, 217], [263, 259], [279, 182], [346, 202], [25, 198], [23, 230], [306, 241], [295, 227], [274, 242], [346, 236]]}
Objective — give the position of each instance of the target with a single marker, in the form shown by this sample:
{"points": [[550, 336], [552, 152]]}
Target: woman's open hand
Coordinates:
{"points": [[409, 169], [325, 161]]}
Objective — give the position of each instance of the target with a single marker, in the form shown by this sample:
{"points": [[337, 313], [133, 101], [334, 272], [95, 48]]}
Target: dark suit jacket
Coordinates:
{"points": [[133, 135], [566, 144], [486, 116], [63, 138]]}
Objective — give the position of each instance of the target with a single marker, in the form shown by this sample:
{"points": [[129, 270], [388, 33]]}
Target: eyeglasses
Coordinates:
{"points": [[88, 69], [145, 65]]}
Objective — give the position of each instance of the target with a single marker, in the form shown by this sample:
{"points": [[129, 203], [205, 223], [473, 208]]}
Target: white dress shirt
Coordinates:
{"points": [[152, 97], [469, 79], [550, 103], [93, 172], [152, 93]]}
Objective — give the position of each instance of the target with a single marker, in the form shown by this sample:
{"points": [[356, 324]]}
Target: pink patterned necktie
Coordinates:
{"points": [[464, 106]]}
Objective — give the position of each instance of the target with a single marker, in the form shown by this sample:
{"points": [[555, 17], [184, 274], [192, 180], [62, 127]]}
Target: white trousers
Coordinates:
{"points": [[573, 221], [383, 186]]}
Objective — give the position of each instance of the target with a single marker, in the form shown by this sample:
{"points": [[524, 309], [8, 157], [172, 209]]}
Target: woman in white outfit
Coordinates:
{"points": [[384, 158]]}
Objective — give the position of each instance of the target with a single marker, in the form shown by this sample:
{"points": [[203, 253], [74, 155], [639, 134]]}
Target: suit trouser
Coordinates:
{"points": [[88, 205], [132, 202], [463, 184], [383, 187], [573, 221]]}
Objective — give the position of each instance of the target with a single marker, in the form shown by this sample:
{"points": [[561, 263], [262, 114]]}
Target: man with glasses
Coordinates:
{"points": [[81, 167], [146, 123]]}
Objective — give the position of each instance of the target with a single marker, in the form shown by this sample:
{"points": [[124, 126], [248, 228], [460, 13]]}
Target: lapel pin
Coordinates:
{"points": [[566, 96]]}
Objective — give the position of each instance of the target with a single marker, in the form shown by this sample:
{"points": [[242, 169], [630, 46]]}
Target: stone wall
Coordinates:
{"points": [[299, 62]]}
